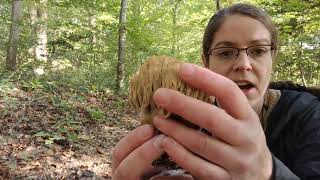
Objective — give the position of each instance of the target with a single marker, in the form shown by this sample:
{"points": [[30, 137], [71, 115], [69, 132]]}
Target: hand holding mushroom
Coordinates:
{"points": [[236, 151]]}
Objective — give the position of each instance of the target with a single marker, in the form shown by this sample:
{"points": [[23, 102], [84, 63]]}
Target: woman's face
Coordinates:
{"points": [[250, 72]]}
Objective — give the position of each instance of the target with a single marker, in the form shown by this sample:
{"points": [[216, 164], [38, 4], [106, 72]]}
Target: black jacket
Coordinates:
{"points": [[293, 136]]}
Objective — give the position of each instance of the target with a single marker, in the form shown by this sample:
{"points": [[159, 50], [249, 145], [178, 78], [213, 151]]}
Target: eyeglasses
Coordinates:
{"points": [[231, 53]]}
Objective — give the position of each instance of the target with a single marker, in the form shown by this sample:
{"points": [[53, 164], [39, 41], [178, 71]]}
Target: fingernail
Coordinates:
{"points": [[158, 141], [161, 97], [186, 70]]}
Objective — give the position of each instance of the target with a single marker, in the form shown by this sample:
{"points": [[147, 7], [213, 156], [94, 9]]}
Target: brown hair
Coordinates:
{"points": [[243, 9]]}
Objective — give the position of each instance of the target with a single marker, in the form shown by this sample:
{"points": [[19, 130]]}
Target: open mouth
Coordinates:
{"points": [[245, 85]]}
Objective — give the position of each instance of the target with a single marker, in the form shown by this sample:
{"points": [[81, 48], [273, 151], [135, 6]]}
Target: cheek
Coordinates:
{"points": [[265, 73], [221, 69]]}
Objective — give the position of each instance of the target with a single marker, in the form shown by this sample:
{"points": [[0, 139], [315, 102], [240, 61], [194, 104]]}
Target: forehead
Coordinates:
{"points": [[240, 30]]}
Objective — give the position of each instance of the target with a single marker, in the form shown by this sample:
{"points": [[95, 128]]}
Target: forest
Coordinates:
{"points": [[65, 67]]}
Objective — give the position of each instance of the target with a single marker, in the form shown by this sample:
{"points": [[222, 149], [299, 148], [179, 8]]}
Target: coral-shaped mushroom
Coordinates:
{"points": [[157, 72]]}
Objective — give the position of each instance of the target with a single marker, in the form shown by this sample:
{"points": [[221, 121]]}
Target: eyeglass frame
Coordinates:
{"points": [[272, 48]]}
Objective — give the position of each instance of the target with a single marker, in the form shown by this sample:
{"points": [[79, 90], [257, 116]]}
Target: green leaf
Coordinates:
{"points": [[41, 134], [48, 141]]}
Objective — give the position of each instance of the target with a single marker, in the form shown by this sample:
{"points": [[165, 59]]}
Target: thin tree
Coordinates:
{"points": [[121, 44], [174, 27], [175, 35], [300, 66], [39, 21], [11, 60], [93, 39], [41, 28], [218, 5], [33, 25]]}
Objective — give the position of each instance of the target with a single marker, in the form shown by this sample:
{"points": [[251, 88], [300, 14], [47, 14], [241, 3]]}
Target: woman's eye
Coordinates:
{"points": [[258, 51], [225, 54]]}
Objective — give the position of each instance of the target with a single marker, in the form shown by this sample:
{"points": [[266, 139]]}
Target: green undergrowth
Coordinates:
{"points": [[55, 112]]}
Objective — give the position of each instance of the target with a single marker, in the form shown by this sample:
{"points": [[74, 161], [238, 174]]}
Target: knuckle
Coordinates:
{"points": [[212, 123], [242, 164], [185, 157], [143, 132], [179, 104], [240, 133], [116, 153], [121, 175], [201, 144], [251, 144], [207, 173], [143, 155]]}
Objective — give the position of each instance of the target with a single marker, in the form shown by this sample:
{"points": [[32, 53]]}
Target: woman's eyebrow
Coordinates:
{"points": [[233, 44], [224, 43], [260, 41]]}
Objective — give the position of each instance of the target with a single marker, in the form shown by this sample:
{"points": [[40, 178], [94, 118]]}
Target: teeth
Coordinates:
{"points": [[242, 83]]}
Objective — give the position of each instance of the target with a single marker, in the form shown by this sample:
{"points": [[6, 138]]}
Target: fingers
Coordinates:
{"points": [[220, 161], [205, 115], [226, 91], [208, 147], [198, 167], [130, 142], [139, 161]]}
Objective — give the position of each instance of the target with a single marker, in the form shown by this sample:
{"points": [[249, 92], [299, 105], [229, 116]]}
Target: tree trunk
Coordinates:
{"points": [[92, 26], [302, 75], [33, 26], [122, 40], [174, 27], [218, 5], [301, 66], [42, 21], [39, 21], [11, 61]]}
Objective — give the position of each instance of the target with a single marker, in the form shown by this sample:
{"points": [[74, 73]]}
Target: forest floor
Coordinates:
{"points": [[60, 135]]}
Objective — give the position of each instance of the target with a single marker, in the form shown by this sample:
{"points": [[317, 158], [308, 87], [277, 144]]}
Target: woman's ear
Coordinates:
{"points": [[205, 61]]}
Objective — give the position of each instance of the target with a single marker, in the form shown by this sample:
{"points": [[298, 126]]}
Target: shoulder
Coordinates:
{"points": [[294, 110], [296, 102], [293, 134]]}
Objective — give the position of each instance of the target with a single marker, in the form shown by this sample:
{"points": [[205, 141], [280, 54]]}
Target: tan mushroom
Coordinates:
{"points": [[158, 71]]}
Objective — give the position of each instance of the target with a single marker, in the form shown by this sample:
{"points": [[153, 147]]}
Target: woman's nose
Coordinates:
{"points": [[243, 62]]}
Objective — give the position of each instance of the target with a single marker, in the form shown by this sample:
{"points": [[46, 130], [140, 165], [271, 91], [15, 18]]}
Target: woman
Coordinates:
{"points": [[258, 133]]}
